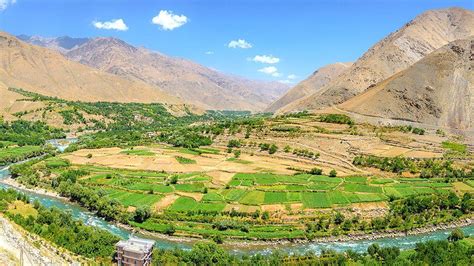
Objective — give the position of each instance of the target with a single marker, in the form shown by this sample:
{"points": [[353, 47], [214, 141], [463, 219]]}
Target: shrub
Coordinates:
{"points": [[316, 171]]}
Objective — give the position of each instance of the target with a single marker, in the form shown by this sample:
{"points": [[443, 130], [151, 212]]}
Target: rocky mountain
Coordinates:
{"points": [[44, 71], [398, 51], [311, 85], [185, 79], [61, 44], [437, 90]]}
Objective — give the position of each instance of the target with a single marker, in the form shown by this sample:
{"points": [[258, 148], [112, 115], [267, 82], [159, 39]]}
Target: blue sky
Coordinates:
{"points": [[302, 34]]}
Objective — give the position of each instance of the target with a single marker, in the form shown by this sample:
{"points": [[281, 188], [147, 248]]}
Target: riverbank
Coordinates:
{"points": [[13, 183], [261, 244], [248, 244]]}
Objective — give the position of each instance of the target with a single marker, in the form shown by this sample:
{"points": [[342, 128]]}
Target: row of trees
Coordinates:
{"points": [[28, 133], [60, 228], [443, 252], [426, 168]]}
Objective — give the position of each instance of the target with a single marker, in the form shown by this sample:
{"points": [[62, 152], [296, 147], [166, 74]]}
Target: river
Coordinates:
{"points": [[90, 218]]}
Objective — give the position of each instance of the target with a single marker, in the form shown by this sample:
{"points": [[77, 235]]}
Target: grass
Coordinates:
{"points": [[237, 160], [233, 194], [354, 187], [55, 162], [184, 204], [132, 198], [212, 197], [195, 151], [253, 198], [275, 197], [18, 151], [454, 146], [194, 187], [184, 160], [315, 200], [356, 179], [463, 187], [138, 152]]}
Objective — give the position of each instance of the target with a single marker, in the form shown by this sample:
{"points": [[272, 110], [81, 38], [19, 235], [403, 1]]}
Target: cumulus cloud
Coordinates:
{"points": [[240, 43], [168, 20], [5, 3], [271, 70], [209, 52], [266, 59], [292, 76], [114, 24]]}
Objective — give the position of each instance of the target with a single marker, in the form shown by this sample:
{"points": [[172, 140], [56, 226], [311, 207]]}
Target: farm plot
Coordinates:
{"points": [[184, 204], [133, 199]]}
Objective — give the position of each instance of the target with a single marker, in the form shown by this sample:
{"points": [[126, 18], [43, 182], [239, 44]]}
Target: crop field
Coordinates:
{"points": [[195, 191], [132, 198], [184, 160], [14, 154], [138, 152]]}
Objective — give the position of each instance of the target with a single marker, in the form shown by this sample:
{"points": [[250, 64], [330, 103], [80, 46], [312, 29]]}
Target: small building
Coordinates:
{"points": [[134, 251]]}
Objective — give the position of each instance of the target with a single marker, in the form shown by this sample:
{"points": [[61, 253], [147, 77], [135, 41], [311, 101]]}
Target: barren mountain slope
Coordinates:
{"points": [[310, 85], [190, 81], [47, 72], [437, 90], [401, 49]]}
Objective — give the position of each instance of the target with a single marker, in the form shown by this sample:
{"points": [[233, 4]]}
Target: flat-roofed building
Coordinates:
{"points": [[134, 251]]}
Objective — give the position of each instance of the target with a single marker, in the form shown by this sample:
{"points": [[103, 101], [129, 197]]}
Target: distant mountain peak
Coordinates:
{"points": [[192, 82]]}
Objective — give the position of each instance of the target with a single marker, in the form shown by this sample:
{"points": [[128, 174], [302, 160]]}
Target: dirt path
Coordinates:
{"points": [[342, 161], [376, 120]]}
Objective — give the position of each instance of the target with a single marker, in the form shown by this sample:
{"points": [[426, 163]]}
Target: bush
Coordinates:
{"points": [[456, 235], [333, 173], [316, 171]]}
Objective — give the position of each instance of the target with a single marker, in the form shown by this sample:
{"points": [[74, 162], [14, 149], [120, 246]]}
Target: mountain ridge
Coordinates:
{"points": [[437, 90], [48, 72], [176, 76], [396, 52]]}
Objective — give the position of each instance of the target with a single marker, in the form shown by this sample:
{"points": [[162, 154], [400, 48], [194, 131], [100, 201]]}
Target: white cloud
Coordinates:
{"points": [[271, 70], [266, 59], [240, 43], [286, 81], [209, 52], [169, 21], [5, 3], [114, 24], [292, 76]]}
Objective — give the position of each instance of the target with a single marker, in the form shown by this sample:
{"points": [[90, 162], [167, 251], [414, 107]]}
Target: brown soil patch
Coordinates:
{"points": [[241, 208], [196, 196], [220, 178], [165, 202], [273, 207]]}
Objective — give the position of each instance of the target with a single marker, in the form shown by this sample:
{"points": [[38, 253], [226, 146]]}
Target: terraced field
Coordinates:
{"points": [[146, 188]]}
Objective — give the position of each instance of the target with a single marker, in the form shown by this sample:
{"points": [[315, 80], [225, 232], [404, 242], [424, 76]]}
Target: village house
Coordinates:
{"points": [[134, 251]]}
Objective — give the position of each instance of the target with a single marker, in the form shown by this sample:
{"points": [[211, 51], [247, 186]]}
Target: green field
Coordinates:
{"points": [[184, 160], [133, 199], [15, 154], [138, 152]]}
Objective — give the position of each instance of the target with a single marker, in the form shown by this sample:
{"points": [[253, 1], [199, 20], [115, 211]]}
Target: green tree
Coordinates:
{"points": [[141, 214], [273, 148], [456, 235]]}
